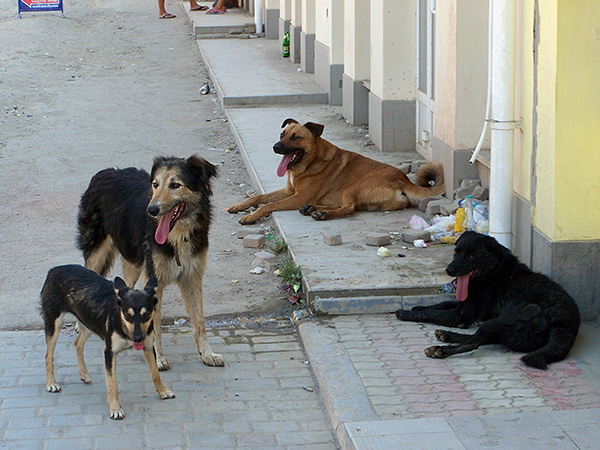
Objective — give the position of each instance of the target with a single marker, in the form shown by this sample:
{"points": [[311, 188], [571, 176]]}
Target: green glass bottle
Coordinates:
{"points": [[286, 45]]}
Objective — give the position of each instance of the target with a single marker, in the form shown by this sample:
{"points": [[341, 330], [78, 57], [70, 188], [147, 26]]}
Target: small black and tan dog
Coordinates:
{"points": [[119, 315], [523, 310]]}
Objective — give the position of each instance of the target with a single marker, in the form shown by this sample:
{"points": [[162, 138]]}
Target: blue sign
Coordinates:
{"points": [[40, 5]]}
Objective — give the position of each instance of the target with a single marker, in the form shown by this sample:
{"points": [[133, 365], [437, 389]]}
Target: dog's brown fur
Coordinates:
{"points": [[327, 182]]}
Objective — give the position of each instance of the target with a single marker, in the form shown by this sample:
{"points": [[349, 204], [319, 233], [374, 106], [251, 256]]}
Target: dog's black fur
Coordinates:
{"points": [[158, 222], [520, 309], [122, 317]]}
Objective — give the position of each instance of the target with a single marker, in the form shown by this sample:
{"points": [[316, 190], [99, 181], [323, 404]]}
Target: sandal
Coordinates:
{"points": [[214, 11], [199, 8], [167, 16]]}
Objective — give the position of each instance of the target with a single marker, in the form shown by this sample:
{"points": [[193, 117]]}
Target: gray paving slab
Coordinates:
{"points": [[251, 72], [265, 397]]}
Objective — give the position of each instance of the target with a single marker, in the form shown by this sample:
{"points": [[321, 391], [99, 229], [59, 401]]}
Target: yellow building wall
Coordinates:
{"points": [[567, 193], [577, 193]]}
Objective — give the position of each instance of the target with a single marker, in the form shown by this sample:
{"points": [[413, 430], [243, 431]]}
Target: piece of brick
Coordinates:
{"points": [[469, 182], [241, 234], [377, 239], [266, 256], [254, 241], [450, 208], [411, 235], [332, 239], [424, 202], [434, 206], [481, 193]]}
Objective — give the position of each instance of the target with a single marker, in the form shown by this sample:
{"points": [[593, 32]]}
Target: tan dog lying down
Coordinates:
{"points": [[327, 182]]}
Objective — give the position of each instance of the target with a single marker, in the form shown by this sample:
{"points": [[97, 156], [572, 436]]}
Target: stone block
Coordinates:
{"points": [[332, 239], [424, 202], [434, 206], [416, 164], [411, 235], [254, 241], [377, 239], [450, 208], [462, 192], [241, 234], [470, 182], [405, 167], [266, 256], [481, 193]]}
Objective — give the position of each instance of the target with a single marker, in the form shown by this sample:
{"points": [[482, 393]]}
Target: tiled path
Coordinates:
{"points": [[402, 383]]}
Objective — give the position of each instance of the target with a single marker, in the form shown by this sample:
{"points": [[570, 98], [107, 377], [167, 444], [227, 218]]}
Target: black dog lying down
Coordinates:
{"points": [[520, 309], [119, 315]]}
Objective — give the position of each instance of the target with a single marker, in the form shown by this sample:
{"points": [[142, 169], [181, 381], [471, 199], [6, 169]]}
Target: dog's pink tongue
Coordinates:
{"points": [[162, 231], [282, 169], [138, 345], [462, 287]]}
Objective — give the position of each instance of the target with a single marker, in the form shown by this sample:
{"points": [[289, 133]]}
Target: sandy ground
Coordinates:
{"points": [[110, 85]]}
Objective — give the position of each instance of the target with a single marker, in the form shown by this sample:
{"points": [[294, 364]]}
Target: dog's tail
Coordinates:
{"points": [[429, 182]]}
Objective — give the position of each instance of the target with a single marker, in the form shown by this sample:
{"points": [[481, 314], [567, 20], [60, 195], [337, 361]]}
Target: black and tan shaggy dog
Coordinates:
{"points": [[520, 309], [158, 223], [119, 315]]}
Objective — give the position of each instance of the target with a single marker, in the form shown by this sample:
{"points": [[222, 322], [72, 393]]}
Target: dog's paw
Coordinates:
{"points": [[535, 360], [86, 378], [319, 215], [418, 308], [53, 387], [166, 394], [213, 359], [117, 414], [435, 352], [247, 220], [306, 210], [442, 336], [162, 363], [403, 314]]}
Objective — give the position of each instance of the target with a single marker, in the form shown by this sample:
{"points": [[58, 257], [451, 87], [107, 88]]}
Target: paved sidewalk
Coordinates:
{"points": [[265, 397]]}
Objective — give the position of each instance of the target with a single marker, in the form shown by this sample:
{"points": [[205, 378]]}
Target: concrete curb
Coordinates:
{"points": [[341, 389]]}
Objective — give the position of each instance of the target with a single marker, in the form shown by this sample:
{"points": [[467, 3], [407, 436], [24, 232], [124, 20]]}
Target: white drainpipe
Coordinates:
{"points": [[258, 22], [502, 121]]}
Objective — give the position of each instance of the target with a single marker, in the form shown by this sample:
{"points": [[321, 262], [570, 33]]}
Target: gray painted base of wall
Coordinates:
{"points": [[284, 27], [328, 76], [355, 101], [573, 265], [392, 124], [295, 44], [271, 23], [456, 164], [307, 52], [522, 230]]}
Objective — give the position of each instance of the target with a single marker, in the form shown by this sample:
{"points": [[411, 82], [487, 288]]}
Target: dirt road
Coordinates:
{"points": [[110, 85]]}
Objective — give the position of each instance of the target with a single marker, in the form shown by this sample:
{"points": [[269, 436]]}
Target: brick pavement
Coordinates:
{"points": [[258, 400], [402, 383]]}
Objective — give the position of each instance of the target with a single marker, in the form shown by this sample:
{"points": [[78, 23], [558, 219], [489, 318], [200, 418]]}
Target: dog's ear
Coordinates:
{"points": [[120, 288], [202, 169], [286, 122], [315, 128], [151, 286], [158, 160]]}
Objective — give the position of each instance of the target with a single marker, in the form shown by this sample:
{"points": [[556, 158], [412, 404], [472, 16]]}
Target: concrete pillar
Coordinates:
{"points": [[329, 48], [285, 17], [295, 30], [393, 75], [307, 36], [357, 61], [271, 19], [461, 86]]}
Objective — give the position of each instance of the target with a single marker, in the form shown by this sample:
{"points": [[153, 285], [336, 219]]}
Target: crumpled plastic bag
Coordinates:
{"points": [[417, 223]]}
